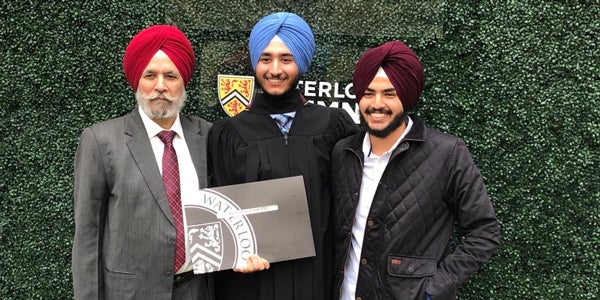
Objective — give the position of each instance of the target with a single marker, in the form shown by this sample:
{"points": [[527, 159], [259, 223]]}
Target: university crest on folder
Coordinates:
{"points": [[235, 93], [227, 224]]}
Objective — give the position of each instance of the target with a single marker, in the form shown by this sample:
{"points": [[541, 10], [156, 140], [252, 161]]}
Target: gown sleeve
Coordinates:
{"points": [[223, 144], [345, 125]]}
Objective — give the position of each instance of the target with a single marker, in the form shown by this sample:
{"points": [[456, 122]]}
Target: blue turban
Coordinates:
{"points": [[292, 30]]}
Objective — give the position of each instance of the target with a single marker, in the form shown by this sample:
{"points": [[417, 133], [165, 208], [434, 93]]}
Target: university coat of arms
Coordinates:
{"points": [[235, 93]]}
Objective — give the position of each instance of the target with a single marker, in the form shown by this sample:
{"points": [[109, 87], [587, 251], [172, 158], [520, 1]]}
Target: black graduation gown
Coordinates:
{"points": [[250, 147]]}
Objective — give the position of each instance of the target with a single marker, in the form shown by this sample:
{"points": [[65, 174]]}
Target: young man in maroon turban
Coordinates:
{"points": [[132, 174], [399, 189], [255, 145]]}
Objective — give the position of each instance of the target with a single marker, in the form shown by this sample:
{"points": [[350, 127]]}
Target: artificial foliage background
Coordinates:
{"points": [[518, 80]]}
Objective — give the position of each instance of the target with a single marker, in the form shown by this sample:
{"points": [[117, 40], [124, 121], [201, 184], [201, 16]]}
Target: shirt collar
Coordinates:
{"points": [[153, 129], [289, 114], [366, 148]]}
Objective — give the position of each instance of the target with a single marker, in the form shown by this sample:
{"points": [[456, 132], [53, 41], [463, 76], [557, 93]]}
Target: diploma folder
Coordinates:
{"points": [[226, 224]]}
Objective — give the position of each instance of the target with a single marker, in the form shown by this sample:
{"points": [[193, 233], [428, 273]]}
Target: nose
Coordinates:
{"points": [[275, 67], [378, 101], [160, 84]]}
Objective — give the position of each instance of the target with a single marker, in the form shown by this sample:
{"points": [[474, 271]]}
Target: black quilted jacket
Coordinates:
{"points": [[430, 185]]}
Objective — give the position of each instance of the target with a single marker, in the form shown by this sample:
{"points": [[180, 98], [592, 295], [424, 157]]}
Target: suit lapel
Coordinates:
{"points": [[196, 144], [141, 150]]}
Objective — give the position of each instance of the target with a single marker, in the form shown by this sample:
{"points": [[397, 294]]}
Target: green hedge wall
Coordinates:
{"points": [[518, 80]]}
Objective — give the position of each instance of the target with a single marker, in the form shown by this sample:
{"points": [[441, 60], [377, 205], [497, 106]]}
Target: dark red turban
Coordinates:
{"points": [[144, 46], [401, 66]]}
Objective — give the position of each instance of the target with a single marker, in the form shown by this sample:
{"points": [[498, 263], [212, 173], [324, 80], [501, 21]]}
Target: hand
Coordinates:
{"points": [[253, 263]]}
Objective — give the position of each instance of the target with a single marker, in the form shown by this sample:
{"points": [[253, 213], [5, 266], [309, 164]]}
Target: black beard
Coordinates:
{"points": [[395, 124]]}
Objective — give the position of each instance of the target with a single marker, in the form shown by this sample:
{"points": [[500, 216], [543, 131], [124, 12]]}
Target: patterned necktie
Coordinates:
{"points": [[284, 122], [170, 177]]}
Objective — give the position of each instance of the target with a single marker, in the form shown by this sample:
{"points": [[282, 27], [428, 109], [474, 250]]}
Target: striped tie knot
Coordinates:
{"points": [[284, 122], [166, 136]]}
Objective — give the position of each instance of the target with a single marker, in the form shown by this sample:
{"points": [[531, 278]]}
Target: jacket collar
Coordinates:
{"points": [[418, 133], [134, 123]]}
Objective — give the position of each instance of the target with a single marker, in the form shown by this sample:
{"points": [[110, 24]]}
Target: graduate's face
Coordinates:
{"points": [[276, 70], [161, 90], [381, 109]]}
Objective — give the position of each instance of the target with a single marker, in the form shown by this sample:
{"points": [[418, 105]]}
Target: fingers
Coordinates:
{"points": [[253, 263]]}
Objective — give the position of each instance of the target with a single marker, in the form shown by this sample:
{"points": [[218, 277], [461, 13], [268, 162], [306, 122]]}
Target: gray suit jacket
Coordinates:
{"points": [[124, 232]]}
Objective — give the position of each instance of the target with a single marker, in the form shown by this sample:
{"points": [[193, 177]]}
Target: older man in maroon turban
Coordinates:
{"points": [[132, 174], [399, 189]]}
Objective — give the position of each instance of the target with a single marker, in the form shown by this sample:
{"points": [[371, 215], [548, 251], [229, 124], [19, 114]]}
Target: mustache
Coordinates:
{"points": [[279, 77], [162, 96], [381, 110]]}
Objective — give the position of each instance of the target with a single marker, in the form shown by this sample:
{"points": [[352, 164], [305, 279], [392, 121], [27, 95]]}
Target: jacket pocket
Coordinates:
{"points": [[116, 273], [119, 285], [411, 266]]}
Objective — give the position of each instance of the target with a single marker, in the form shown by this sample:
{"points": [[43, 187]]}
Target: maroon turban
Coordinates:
{"points": [[144, 46], [401, 66]]}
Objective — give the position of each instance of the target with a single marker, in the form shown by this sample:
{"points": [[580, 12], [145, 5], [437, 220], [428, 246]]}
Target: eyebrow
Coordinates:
{"points": [[282, 55], [169, 72], [385, 90]]}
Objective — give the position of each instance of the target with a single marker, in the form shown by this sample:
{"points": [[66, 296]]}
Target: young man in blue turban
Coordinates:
{"points": [[254, 146]]}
